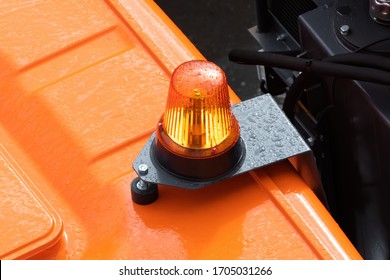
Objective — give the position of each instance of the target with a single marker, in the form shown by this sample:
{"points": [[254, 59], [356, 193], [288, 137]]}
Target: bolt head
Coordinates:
{"points": [[143, 169], [281, 37], [345, 29], [310, 141]]}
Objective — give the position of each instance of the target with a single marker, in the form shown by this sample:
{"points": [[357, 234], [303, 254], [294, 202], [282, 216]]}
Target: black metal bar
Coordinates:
{"points": [[324, 67], [262, 16]]}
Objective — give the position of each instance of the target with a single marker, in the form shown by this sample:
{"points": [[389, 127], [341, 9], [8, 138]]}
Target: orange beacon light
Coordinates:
{"points": [[198, 134], [198, 117], [201, 139]]}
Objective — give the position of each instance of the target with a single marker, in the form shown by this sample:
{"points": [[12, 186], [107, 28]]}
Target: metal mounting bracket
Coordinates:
{"points": [[266, 133]]}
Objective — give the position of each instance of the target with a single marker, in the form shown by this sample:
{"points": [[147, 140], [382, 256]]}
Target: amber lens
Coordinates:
{"points": [[198, 120]]}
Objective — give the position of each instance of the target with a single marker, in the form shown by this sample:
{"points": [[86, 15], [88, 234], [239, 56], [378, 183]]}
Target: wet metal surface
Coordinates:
{"points": [[267, 134]]}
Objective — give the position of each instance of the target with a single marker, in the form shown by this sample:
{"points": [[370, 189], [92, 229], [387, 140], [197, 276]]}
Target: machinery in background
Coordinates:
{"points": [[332, 59]]}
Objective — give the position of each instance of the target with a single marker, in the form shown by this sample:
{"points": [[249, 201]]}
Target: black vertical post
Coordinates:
{"points": [[262, 16]]}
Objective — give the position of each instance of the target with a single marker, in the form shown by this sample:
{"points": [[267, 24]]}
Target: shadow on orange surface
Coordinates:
{"points": [[46, 142]]}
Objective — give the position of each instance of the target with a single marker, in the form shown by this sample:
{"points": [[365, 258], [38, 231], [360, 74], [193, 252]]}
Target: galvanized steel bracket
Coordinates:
{"points": [[267, 134]]}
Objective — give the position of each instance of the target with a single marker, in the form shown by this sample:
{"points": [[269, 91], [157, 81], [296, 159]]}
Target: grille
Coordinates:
{"points": [[287, 13]]}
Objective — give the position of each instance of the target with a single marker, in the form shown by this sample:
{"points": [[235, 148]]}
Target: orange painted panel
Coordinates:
{"points": [[29, 225], [79, 97], [40, 29]]}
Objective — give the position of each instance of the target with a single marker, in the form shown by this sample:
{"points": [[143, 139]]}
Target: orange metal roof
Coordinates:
{"points": [[83, 84]]}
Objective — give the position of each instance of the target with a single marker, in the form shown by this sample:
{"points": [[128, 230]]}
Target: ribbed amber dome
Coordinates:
{"points": [[198, 120]]}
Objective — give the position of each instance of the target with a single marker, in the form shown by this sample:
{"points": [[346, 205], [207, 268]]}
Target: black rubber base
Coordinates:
{"points": [[200, 169], [143, 197]]}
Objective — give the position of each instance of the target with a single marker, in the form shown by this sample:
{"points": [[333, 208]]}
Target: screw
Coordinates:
{"points": [[310, 141], [142, 185], [143, 169], [281, 37], [344, 29]]}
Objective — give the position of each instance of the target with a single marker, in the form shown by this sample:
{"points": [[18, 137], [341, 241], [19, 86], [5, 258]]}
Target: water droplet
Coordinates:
{"points": [[252, 136], [252, 163], [276, 138], [250, 119], [279, 144], [260, 151]]}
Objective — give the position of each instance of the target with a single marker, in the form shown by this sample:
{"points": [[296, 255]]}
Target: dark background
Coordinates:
{"points": [[215, 27]]}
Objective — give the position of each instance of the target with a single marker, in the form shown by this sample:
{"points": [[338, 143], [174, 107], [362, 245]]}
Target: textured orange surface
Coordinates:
{"points": [[83, 85]]}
